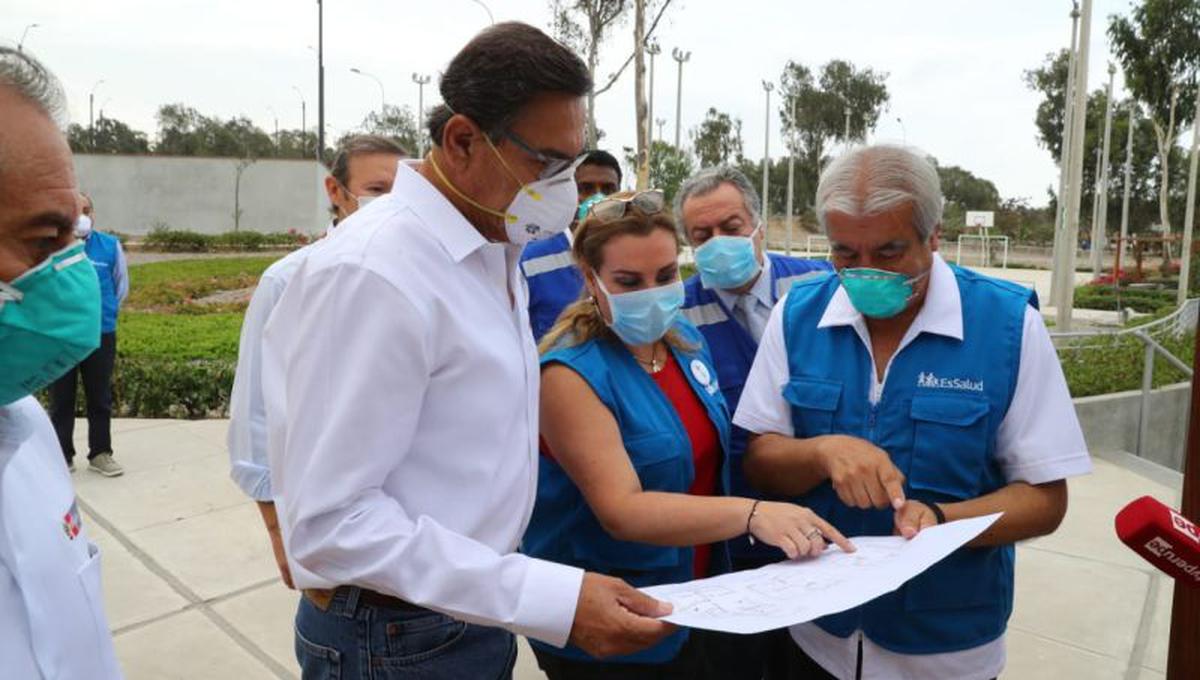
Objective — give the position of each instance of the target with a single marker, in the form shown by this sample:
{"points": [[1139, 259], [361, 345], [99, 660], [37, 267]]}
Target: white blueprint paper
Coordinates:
{"points": [[788, 593]]}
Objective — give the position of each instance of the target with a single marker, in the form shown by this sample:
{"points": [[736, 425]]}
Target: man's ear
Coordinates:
{"points": [[935, 237], [460, 138], [331, 189]]}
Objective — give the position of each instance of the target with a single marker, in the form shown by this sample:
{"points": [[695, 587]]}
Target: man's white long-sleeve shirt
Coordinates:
{"points": [[401, 389], [247, 439]]}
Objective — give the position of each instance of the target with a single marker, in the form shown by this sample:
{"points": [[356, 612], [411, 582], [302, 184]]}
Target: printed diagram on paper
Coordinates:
{"points": [[788, 593]]}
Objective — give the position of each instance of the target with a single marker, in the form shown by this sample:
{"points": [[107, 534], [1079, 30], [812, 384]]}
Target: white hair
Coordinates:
{"points": [[873, 180], [34, 83]]}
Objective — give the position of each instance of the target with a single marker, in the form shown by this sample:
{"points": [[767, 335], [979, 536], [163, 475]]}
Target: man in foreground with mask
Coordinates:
{"points": [[400, 383], [729, 300], [51, 602], [901, 393], [363, 170], [96, 369]]}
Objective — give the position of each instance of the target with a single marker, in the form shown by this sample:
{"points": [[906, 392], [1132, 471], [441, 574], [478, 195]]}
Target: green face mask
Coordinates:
{"points": [[49, 322], [878, 293]]}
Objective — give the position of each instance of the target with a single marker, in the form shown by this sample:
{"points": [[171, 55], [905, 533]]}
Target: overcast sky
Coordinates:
{"points": [[954, 66]]}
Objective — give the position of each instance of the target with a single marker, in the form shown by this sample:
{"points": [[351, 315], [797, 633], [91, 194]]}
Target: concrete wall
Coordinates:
{"points": [[1110, 423], [133, 194]]}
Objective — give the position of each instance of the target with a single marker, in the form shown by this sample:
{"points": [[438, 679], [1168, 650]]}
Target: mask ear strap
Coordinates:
{"points": [[8, 292], [470, 201]]}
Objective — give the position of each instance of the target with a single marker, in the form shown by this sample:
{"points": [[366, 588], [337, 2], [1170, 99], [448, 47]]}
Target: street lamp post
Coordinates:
{"points": [[1128, 179], [653, 49], [767, 87], [91, 116], [421, 81], [1189, 215], [903, 130], [491, 19], [847, 133], [273, 115], [679, 56], [320, 80], [21, 43], [660, 122], [791, 181], [1101, 228], [303, 116], [1064, 155], [1065, 268], [382, 94]]}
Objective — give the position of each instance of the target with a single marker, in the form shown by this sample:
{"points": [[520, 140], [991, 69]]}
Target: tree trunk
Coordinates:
{"points": [[593, 57], [639, 90]]}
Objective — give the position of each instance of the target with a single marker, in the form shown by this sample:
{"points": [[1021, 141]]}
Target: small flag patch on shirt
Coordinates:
{"points": [[72, 523]]}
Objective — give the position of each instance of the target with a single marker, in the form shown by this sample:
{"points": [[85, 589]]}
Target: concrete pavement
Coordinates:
{"points": [[192, 591]]}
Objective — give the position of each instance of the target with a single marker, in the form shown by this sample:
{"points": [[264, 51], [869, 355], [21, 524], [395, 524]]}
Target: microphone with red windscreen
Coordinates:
{"points": [[1163, 537]]}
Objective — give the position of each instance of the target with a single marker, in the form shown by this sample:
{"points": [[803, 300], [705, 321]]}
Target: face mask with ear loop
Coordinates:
{"points": [[541, 209]]}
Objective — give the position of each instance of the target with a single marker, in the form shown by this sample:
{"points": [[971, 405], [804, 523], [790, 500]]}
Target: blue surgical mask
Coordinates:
{"points": [[49, 322], [644, 316], [727, 262], [587, 204], [878, 293]]}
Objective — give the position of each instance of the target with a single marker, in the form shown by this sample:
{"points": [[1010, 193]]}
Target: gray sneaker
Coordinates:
{"points": [[105, 465]]}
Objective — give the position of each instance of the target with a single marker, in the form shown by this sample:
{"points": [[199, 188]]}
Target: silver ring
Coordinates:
{"points": [[811, 534]]}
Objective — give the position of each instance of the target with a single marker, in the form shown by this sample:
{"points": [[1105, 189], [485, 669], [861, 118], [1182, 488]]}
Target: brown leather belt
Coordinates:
{"points": [[322, 598]]}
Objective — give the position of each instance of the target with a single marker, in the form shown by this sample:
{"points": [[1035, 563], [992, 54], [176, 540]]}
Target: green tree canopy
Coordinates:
{"points": [[821, 101], [108, 136], [669, 166], [718, 139]]}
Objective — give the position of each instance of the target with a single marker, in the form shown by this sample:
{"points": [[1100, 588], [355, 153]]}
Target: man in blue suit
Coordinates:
{"points": [[730, 299]]}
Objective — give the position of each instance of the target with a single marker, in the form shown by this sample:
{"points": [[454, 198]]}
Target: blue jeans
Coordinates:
{"points": [[352, 640]]}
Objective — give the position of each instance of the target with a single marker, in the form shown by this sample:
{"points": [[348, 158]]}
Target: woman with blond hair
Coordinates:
{"points": [[634, 436]]}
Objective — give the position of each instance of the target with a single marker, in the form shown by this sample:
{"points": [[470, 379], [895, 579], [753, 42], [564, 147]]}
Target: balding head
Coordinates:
{"points": [[39, 199], [874, 180]]}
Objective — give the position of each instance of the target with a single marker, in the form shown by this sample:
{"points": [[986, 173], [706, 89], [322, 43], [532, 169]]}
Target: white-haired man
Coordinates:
{"points": [[900, 393]]}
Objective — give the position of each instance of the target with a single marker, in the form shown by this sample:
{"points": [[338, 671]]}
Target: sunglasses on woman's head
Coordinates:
{"points": [[647, 202]]}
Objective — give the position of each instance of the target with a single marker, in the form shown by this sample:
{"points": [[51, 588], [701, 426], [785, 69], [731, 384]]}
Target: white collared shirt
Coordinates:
{"points": [[51, 601], [401, 389], [763, 296], [247, 438], [1038, 441]]}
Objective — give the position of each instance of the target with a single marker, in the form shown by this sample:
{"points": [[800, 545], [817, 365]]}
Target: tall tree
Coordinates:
{"points": [[183, 131], [109, 136], [669, 166], [584, 25], [718, 139], [823, 100], [396, 122], [1050, 80], [1158, 47]]}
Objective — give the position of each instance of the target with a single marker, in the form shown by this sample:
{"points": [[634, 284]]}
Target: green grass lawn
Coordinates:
{"points": [[167, 286], [160, 321]]}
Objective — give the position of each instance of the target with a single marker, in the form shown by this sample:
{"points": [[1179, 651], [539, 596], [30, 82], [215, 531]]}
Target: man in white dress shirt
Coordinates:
{"points": [[52, 620], [901, 393], [400, 381], [362, 170]]}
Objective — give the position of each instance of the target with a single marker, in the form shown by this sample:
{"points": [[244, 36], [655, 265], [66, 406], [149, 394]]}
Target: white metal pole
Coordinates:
{"points": [[787, 245], [679, 56], [1066, 292], [766, 172], [653, 49], [1064, 154], [1100, 239], [1128, 176], [1189, 215]]}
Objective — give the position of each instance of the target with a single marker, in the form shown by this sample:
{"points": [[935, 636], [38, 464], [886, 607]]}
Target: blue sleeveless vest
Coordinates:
{"points": [[733, 350], [942, 404], [564, 529], [554, 281], [101, 249]]}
